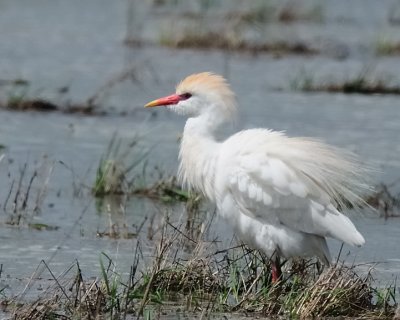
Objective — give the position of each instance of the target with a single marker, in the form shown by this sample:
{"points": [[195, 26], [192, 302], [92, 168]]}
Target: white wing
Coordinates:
{"points": [[292, 181]]}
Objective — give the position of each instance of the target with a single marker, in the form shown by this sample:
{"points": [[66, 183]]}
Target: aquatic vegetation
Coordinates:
{"points": [[240, 28], [386, 203], [363, 83], [122, 170], [114, 172], [386, 47], [21, 104], [17, 92], [194, 39], [19, 96], [42, 226], [167, 190], [292, 11], [207, 280], [26, 195], [288, 12], [303, 80], [117, 227]]}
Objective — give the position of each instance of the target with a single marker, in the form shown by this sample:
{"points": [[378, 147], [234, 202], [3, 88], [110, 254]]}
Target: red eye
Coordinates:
{"points": [[185, 96]]}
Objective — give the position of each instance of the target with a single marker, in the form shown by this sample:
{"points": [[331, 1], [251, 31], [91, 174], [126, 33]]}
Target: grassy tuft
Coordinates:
{"points": [[386, 203], [27, 194], [363, 83], [385, 47], [195, 39], [337, 292], [167, 190], [19, 96], [114, 172], [291, 12], [116, 175]]}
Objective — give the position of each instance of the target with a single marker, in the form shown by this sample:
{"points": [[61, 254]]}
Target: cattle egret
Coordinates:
{"points": [[279, 193]]}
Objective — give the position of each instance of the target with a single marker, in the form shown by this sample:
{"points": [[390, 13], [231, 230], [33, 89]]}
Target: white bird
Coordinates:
{"points": [[279, 193]]}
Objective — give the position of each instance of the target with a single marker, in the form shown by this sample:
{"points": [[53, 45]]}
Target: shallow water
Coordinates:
{"points": [[84, 50]]}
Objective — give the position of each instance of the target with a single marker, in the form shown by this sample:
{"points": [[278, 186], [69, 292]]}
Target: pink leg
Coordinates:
{"points": [[276, 270]]}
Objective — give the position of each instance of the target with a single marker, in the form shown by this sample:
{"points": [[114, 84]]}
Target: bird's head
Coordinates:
{"points": [[198, 94]]}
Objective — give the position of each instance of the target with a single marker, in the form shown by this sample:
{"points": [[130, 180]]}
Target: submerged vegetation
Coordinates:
{"points": [[192, 274]]}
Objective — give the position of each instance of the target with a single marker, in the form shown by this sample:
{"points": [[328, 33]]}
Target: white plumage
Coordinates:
{"points": [[279, 193]]}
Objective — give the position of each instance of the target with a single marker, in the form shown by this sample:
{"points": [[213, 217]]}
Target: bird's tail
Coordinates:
{"points": [[344, 230]]}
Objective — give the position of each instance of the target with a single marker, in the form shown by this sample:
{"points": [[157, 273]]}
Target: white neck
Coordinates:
{"points": [[198, 154]]}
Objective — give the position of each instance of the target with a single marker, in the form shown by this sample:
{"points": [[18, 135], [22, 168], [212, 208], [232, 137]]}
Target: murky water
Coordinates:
{"points": [[78, 44]]}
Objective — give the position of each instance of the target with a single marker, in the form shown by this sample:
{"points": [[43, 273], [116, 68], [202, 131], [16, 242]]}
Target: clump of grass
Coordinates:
{"points": [[26, 195], [69, 296], [167, 190], [291, 12], [118, 173], [386, 47], [110, 178], [302, 81], [114, 172], [337, 292], [386, 203], [361, 84], [21, 104], [195, 39], [262, 13], [20, 97]]}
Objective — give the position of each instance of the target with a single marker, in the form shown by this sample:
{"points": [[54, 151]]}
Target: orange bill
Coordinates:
{"points": [[172, 99]]}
